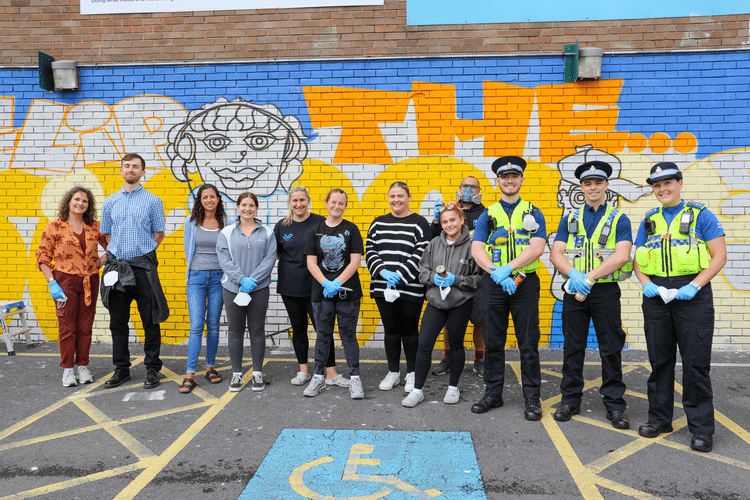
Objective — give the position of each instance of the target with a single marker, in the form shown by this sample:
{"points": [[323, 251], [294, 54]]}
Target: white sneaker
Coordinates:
{"points": [[413, 399], [301, 379], [84, 375], [257, 383], [409, 382], [315, 387], [355, 388], [390, 381], [452, 395], [69, 378], [338, 380], [236, 384]]}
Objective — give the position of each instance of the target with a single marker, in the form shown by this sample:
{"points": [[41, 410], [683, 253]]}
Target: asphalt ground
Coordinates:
{"points": [[90, 443]]}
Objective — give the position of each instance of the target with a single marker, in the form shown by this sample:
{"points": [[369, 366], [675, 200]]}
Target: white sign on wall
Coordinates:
{"points": [[144, 6]]}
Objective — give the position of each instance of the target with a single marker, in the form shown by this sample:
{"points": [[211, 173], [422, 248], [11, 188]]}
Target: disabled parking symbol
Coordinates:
{"points": [[367, 465]]}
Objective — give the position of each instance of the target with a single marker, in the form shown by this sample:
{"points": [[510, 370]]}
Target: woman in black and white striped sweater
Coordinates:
{"points": [[395, 243]]}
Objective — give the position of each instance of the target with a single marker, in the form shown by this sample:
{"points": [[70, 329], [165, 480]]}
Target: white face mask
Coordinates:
{"points": [[242, 299], [391, 294], [110, 278], [530, 224], [445, 291], [667, 294]]}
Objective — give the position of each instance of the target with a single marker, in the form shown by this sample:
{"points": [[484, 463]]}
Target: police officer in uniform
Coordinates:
{"points": [[681, 246], [593, 245], [510, 236]]}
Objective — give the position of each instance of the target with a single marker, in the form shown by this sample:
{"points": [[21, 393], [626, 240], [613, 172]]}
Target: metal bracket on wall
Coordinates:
{"points": [[570, 52]]}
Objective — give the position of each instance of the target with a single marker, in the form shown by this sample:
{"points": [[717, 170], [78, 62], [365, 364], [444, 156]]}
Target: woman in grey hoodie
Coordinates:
{"points": [[452, 278]]}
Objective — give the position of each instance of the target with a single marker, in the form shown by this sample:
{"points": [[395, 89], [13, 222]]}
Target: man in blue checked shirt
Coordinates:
{"points": [[133, 220]]}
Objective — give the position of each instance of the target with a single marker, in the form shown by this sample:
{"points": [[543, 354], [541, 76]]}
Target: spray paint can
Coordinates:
{"points": [[441, 271], [519, 277]]}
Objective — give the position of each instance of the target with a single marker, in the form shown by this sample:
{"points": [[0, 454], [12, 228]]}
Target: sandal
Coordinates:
{"points": [[213, 376], [187, 386]]}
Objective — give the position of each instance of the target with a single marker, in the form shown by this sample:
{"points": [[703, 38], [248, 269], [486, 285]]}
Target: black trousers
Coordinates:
{"points": [[119, 316], [400, 326], [523, 305], [602, 306], [689, 325], [298, 309], [433, 320]]}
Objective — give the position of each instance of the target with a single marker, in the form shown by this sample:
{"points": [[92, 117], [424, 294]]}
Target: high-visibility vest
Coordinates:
{"points": [[586, 254], [669, 251], [513, 239]]}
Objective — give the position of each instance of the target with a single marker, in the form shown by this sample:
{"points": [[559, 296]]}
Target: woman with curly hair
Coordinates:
{"points": [[68, 257], [204, 291]]}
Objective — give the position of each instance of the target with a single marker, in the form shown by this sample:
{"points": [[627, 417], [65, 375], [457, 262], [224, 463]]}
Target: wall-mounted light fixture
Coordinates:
{"points": [[65, 74], [583, 63]]}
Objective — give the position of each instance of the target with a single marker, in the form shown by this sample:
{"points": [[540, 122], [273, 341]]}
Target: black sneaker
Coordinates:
{"points": [[479, 367], [442, 368]]}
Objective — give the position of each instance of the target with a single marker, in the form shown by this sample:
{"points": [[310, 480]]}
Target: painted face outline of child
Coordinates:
{"points": [[238, 146]]}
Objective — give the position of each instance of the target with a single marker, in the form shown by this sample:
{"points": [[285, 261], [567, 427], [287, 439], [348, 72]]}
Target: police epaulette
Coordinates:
{"points": [[695, 204], [652, 211]]}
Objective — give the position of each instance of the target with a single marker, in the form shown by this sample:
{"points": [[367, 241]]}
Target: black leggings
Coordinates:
{"points": [[433, 320], [298, 309], [400, 324]]}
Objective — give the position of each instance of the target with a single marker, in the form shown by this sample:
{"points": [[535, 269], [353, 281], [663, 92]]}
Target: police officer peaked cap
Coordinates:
{"points": [[508, 164], [664, 170], [594, 170]]}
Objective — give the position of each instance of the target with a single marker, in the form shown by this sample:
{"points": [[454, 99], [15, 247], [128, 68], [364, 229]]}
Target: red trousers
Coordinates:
{"points": [[76, 319]]}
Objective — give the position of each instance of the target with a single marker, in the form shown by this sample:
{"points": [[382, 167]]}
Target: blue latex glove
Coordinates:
{"points": [[650, 290], [391, 277], [578, 282], [687, 292], [56, 291], [509, 285], [247, 285], [331, 288], [444, 281], [500, 273], [438, 206]]}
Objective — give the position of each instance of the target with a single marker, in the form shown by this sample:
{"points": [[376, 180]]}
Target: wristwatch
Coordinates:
{"points": [[50, 280], [695, 285]]}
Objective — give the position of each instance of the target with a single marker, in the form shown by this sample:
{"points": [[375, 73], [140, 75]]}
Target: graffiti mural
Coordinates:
{"points": [[345, 125]]}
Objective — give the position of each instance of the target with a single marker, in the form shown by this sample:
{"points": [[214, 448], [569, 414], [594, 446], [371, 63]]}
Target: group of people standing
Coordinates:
{"points": [[471, 264]]}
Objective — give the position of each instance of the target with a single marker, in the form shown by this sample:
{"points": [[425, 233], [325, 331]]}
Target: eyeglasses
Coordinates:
{"points": [[472, 186], [451, 205]]}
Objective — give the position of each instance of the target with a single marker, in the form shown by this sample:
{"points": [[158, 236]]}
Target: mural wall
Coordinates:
{"points": [[360, 125]]}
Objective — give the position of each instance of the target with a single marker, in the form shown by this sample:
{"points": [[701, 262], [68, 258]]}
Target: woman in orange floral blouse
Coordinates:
{"points": [[68, 257]]}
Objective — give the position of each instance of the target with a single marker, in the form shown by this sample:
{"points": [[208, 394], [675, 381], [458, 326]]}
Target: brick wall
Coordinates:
{"points": [[57, 28], [426, 121]]}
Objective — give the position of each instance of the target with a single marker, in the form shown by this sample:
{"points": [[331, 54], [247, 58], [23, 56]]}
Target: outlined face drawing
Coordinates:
{"points": [[570, 197], [239, 146]]}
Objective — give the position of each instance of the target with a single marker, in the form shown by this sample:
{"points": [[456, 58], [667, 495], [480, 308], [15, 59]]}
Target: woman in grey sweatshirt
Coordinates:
{"points": [[452, 278]]}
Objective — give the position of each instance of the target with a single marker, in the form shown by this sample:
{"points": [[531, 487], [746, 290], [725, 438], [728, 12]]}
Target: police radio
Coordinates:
{"points": [[686, 220], [650, 227], [572, 224], [605, 234]]}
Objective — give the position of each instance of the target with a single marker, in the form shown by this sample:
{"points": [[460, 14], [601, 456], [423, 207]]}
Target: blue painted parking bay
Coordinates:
{"points": [[345, 464]]}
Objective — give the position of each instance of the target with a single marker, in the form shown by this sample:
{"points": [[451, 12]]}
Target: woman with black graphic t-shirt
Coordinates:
{"points": [[334, 254]]}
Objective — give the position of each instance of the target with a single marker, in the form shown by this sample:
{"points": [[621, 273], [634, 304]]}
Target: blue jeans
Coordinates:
{"points": [[205, 300]]}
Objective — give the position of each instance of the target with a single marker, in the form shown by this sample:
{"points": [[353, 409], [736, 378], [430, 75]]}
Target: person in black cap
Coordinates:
{"points": [[509, 237], [673, 246], [592, 248]]}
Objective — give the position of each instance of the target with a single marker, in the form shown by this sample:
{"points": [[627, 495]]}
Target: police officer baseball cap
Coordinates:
{"points": [[508, 165], [664, 170], [594, 170]]}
